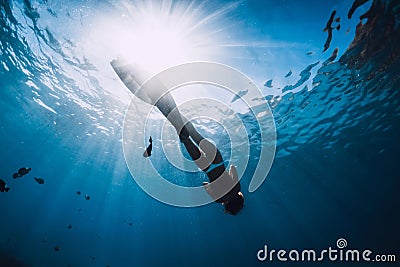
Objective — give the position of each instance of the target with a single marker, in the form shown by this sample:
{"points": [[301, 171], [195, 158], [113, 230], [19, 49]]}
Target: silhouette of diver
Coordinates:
{"points": [[147, 152], [206, 156], [209, 159]]}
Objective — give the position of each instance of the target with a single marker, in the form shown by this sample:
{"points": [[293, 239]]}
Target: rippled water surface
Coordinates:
{"points": [[336, 112]]}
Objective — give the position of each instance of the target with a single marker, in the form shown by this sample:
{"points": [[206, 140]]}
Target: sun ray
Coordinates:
{"points": [[160, 34], [217, 14]]}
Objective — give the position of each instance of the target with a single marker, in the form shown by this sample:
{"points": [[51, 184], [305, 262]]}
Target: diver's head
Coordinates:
{"points": [[234, 204]]}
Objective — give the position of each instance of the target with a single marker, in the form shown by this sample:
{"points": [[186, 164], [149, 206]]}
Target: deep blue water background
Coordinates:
{"points": [[335, 173]]}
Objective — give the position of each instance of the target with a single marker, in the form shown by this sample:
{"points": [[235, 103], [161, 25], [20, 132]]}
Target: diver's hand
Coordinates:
{"points": [[233, 173], [208, 188], [235, 178]]}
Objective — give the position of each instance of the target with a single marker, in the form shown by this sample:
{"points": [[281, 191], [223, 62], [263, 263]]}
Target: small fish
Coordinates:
{"points": [[268, 83], [57, 248], [147, 152], [239, 95], [78, 192], [21, 172], [87, 197], [130, 224], [69, 226], [39, 180], [3, 186]]}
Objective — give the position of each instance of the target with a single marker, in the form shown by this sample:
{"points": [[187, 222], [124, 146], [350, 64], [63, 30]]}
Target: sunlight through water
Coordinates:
{"points": [[158, 34], [62, 106]]}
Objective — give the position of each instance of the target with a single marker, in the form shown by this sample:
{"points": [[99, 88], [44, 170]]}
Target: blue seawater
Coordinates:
{"points": [[335, 173]]}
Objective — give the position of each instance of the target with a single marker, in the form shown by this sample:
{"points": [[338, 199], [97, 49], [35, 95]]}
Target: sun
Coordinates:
{"points": [[160, 34], [156, 43]]}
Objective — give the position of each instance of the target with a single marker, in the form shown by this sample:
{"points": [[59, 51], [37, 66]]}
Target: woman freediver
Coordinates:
{"points": [[224, 186]]}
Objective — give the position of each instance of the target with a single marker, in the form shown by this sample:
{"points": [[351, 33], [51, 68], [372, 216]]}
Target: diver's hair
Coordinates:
{"points": [[234, 205]]}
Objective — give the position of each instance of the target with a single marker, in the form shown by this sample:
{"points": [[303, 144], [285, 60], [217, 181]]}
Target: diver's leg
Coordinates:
{"points": [[168, 108], [193, 150], [210, 150], [185, 128], [196, 155]]}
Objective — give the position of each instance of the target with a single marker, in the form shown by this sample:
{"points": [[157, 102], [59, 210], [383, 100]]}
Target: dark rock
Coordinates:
{"points": [[378, 39], [356, 4]]}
